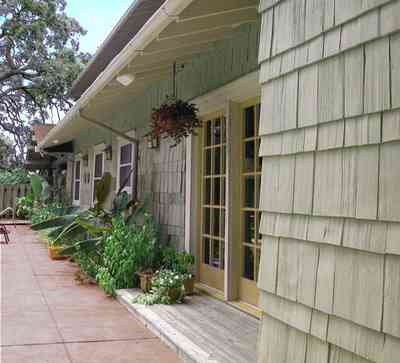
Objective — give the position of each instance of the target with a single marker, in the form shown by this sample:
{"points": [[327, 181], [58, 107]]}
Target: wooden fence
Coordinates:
{"points": [[10, 193]]}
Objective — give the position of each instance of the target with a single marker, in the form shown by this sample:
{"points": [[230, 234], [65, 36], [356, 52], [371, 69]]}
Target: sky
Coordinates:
{"points": [[98, 17]]}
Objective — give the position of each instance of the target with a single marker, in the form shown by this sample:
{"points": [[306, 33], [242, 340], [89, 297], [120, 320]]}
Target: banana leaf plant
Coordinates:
{"points": [[87, 228]]}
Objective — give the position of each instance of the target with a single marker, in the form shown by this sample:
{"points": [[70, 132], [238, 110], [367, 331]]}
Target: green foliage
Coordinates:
{"points": [[40, 188], [45, 212], [39, 60], [110, 246], [89, 260], [106, 281], [24, 206], [180, 262], [14, 176], [126, 251], [165, 279], [36, 185], [103, 190], [152, 298], [166, 288]]}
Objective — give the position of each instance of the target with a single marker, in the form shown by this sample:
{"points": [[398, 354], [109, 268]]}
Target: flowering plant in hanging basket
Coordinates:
{"points": [[175, 118]]}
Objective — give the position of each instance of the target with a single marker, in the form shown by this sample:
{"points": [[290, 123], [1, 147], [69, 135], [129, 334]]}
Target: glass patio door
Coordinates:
{"points": [[213, 185], [250, 243]]}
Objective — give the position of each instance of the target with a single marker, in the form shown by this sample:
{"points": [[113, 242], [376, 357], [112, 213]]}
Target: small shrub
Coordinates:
{"points": [[41, 213], [127, 250], [24, 206], [89, 262], [166, 288], [106, 281], [180, 262]]}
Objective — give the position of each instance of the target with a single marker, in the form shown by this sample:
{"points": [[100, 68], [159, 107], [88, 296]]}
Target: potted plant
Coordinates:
{"points": [[185, 263], [168, 283], [53, 251], [175, 118], [182, 263], [145, 278]]}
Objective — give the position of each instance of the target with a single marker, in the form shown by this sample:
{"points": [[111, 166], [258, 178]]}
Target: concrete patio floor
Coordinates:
{"points": [[47, 317]]}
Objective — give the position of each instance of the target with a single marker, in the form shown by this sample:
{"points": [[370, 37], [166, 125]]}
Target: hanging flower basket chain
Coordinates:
{"points": [[175, 118]]}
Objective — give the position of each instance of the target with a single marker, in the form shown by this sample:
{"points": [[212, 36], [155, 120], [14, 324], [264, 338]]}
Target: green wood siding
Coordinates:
{"points": [[230, 59]]}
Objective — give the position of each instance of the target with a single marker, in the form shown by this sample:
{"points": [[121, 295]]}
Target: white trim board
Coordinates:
{"points": [[237, 91]]}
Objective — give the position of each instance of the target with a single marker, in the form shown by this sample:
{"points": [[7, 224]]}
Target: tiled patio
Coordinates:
{"points": [[46, 317]]}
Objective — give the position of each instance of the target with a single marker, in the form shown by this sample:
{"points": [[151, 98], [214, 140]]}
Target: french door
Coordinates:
{"points": [[245, 215], [213, 186], [249, 241]]}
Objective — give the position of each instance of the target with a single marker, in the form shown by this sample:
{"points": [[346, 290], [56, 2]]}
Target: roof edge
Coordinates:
{"points": [[158, 21]]}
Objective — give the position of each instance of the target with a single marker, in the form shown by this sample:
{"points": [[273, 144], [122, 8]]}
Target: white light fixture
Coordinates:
{"points": [[55, 141], [126, 79]]}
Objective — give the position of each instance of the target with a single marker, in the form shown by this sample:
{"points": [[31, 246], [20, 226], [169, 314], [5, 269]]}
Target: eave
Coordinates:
{"points": [[179, 30]]}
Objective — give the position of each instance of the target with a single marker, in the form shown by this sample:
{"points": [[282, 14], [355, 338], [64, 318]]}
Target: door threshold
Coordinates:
{"points": [[247, 308], [252, 310]]}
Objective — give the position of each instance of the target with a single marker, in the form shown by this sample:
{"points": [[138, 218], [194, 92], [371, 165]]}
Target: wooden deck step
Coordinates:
{"points": [[202, 329]]}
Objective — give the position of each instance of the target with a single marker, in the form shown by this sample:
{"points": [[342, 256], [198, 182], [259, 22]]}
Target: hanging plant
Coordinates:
{"points": [[175, 119]]}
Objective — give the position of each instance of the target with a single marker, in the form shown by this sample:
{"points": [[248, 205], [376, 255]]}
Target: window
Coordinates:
{"points": [[98, 171], [77, 181], [251, 180], [125, 167]]}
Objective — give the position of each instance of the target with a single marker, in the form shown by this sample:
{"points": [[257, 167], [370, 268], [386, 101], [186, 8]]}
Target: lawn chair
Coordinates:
{"points": [[3, 229]]}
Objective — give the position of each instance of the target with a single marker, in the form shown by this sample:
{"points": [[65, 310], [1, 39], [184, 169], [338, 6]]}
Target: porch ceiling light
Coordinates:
{"points": [[126, 79]]}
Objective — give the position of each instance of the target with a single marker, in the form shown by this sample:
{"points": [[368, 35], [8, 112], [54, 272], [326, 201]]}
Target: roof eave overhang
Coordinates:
{"points": [[179, 28], [158, 21]]}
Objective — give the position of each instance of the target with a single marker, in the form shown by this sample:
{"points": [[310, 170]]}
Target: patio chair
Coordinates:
{"points": [[3, 229]]}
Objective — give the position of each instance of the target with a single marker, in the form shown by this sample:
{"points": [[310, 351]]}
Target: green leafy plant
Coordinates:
{"points": [[43, 213], [76, 228], [167, 288], [24, 206], [89, 260], [87, 227], [175, 119], [14, 176], [180, 262], [111, 246], [127, 250], [106, 281]]}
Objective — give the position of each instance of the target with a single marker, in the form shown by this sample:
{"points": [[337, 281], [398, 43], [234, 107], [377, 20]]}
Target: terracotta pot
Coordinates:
{"points": [[173, 293], [145, 280], [53, 253], [188, 284]]}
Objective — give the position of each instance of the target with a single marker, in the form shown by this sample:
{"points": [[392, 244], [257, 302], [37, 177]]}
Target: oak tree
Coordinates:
{"points": [[39, 61]]}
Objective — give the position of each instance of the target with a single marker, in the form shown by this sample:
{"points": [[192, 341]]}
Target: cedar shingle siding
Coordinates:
{"points": [[330, 127]]}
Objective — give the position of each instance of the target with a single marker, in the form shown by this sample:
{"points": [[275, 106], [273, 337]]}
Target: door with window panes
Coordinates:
{"points": [[249, 240], [213, 185]]}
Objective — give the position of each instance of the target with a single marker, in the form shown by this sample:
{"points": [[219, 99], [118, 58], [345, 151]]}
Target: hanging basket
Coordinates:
{"points": [[175, 119]]}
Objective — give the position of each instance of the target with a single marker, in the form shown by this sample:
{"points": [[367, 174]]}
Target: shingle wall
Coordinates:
{"points": [[330, 196]]}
